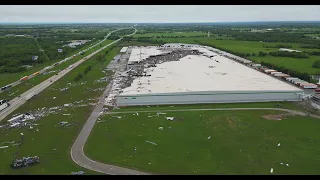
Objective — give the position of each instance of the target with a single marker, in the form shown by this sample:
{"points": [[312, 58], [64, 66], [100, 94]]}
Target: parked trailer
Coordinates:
{"points": [[24, 78], [282, 75], [274, 73], [4, 104], [269, 71], [291, 78], [309, 86]]}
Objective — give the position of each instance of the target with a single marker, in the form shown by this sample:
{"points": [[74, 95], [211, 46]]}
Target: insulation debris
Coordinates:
{"points": [[151, 142]]}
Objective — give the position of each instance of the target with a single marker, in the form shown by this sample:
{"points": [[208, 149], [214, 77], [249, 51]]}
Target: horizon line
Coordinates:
{"points": [[32, 22]]}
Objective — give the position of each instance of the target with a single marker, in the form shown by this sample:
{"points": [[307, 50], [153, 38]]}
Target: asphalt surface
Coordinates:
{"points": [[20, 100]]}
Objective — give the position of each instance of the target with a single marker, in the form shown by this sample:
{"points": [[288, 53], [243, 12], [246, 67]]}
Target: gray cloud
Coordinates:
{"points": [[158, 13]]}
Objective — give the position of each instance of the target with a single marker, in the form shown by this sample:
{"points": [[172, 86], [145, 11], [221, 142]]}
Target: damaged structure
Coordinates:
{"points": [[193, 74]]}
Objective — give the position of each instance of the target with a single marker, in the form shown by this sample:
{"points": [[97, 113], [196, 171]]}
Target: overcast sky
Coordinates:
{"points": [[157, 13]]}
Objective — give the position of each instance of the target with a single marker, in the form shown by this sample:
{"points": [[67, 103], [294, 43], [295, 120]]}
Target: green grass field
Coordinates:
{"points": [[241, 142], [51, 135], [21, 88]]}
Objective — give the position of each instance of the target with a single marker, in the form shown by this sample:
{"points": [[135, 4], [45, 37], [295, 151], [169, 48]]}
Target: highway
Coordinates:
{"points": [[53, 65], [20, 100]]}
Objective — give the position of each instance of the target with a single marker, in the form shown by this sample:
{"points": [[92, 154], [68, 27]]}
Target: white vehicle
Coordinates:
{"points": [[4, 104]]}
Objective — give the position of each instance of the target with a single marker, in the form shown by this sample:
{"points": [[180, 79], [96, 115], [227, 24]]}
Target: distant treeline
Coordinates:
{"points": [[289, 54], [277, 46]]}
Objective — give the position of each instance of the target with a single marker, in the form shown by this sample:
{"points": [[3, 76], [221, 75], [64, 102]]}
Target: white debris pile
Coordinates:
{"points": [[101, 80], [26, 119], [170, 118]]}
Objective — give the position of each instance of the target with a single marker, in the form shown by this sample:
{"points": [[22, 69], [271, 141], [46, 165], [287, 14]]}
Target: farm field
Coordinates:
{"points": [[7, 78], [19, 89], [207, 142], [52, 141]]}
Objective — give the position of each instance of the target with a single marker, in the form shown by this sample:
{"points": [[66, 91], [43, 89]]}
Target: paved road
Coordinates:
{"points": [[20, 100]]}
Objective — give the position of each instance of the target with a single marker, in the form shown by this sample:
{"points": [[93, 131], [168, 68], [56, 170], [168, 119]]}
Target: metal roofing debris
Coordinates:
{"points": [[151, 142], [77, 173], [2, 147], [161, 128], [170, 118]]}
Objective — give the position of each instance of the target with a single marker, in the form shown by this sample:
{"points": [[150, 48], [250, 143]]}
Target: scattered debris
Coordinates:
{"points": [[54, 97], [277, 116], [77, 173], [66, 114], [66, 105], [279, 144], [63, 123], [151, 142], [281, 163], [2, 147], [210, 138], [8, 142], [119, 117], [22, 134], [24, 162], [161, 128], [271, 170], [287, 165], [170, 118]]}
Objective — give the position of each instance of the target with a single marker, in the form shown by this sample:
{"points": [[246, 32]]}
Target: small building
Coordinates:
{"points": [[288, 50], [34, 58], [124, 49]]}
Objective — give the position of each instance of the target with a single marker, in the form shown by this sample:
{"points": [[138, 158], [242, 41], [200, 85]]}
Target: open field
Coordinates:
{"points": [[14, 91], [52, 142], [7, 78], [207, 142]]}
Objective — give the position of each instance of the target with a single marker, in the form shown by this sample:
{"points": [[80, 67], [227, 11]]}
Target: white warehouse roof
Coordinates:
{"points": [[192, 73]]}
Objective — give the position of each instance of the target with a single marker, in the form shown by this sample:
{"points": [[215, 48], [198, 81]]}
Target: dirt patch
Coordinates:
{"points": [[277, 117]]}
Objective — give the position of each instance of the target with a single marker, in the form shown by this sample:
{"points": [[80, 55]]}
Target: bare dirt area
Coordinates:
{"points": [[277, 117]]}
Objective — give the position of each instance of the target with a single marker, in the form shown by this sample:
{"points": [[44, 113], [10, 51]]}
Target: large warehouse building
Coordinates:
{"points": [[202, 77]]}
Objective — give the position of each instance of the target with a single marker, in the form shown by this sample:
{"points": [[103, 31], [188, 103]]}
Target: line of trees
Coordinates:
{"points": [[289, 54]]}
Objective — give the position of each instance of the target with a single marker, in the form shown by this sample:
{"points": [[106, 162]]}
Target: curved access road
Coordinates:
{"points": [[79, 157]]}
